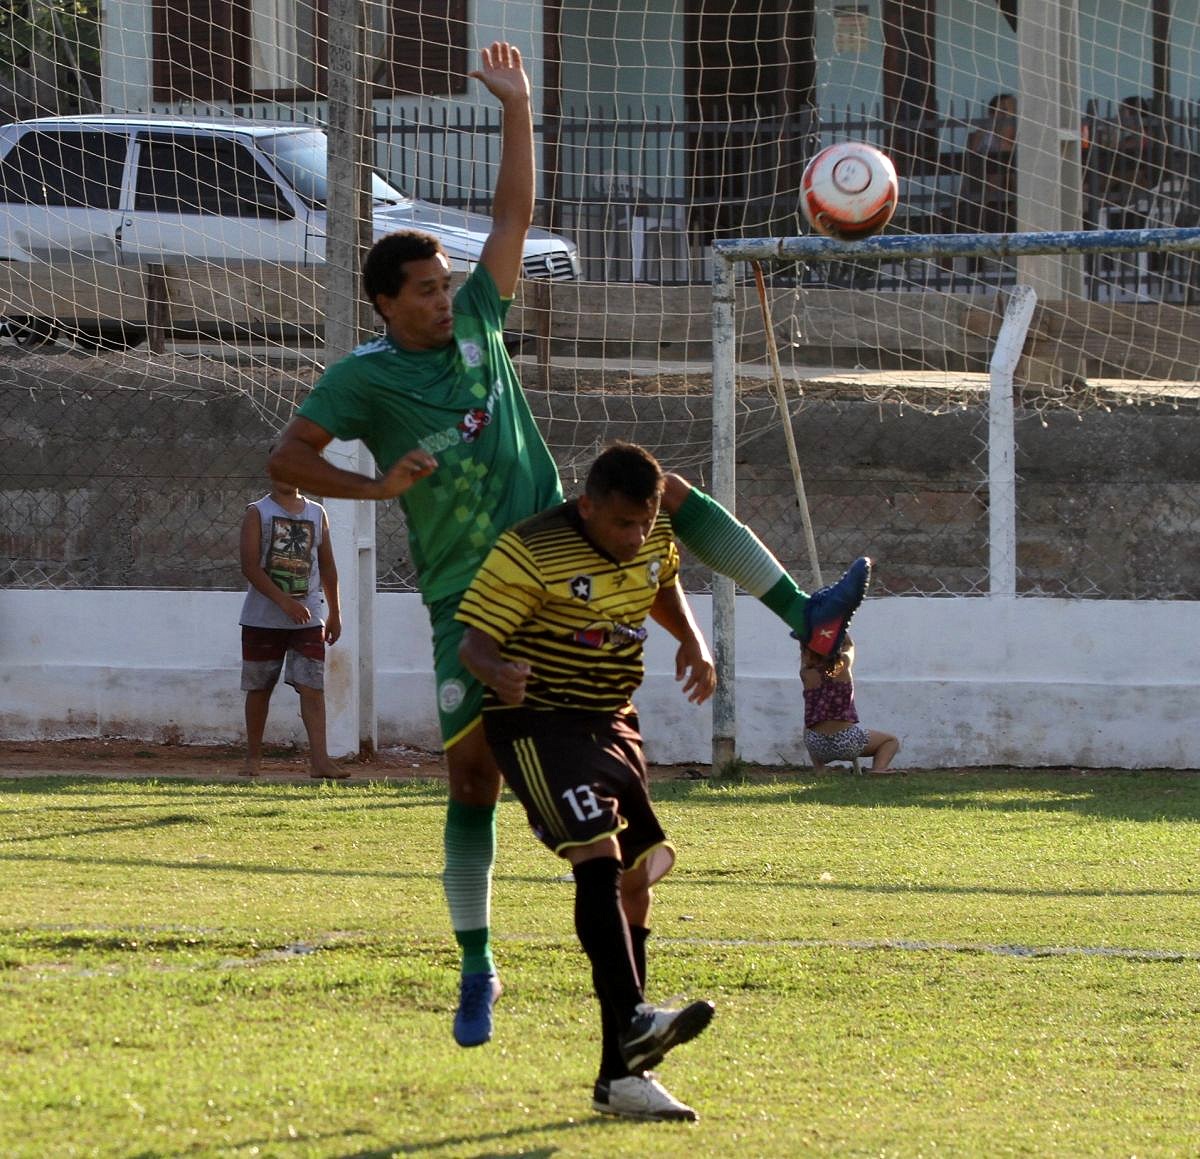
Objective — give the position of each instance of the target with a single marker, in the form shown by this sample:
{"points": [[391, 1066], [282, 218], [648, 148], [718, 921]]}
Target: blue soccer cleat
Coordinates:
{"points": [[830, 608], [473, 1019]]}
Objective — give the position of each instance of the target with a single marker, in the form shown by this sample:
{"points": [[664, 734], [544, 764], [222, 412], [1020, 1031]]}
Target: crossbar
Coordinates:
{"points": [[816, 248]]}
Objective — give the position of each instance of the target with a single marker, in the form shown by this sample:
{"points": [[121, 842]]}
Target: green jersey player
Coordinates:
{"points": [[437, 402]]}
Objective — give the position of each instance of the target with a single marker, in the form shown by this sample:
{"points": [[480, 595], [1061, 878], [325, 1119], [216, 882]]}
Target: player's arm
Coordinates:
{"points": [[327, 566], [249, 555], [693, 661], [297, 459], [480, 655], [503, 74]]}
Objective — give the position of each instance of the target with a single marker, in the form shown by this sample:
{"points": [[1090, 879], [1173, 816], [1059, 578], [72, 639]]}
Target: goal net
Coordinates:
{"points": [[164, 293]]}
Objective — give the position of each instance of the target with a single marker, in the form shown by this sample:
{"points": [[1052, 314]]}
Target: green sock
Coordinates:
{"points": [[470, 844], [731, 549]]}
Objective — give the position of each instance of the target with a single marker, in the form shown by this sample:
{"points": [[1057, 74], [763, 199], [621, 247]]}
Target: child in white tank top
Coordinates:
{"points": [[290, 613]]}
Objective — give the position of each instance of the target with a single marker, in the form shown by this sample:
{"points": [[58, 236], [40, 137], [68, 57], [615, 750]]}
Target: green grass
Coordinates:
{"points": [[945, 964]]}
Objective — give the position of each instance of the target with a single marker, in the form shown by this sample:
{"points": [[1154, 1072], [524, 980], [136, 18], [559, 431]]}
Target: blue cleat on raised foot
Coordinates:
{"points": [[473, 1019], [830, 608]]}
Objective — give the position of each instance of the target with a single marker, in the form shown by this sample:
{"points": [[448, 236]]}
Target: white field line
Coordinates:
{"points": [[332, 940]]}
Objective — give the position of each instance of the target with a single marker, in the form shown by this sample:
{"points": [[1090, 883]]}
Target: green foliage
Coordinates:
{"points": [[984, 963], [55, 42]]}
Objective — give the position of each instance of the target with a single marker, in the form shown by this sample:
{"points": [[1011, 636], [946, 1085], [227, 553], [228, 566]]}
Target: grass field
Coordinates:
{"points": [[946, 964]]}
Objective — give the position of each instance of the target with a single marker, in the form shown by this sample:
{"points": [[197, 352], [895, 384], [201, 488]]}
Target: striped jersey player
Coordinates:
{"points": [[555, 631]]}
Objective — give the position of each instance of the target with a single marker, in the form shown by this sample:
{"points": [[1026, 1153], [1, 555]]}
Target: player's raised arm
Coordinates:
{"points": [[503, 74]]}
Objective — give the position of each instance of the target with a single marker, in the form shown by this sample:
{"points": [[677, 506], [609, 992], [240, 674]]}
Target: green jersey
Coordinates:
{"points": [[465, 406]]}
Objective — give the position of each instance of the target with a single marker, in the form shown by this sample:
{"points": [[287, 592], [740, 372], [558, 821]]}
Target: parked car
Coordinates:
{"points": [[132, 191]]}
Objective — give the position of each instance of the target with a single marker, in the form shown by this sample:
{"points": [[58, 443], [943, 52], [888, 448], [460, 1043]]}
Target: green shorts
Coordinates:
{"points": [[459, 694]]}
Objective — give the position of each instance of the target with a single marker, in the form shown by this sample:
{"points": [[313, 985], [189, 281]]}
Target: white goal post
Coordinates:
{"points": [[1006, 351]]}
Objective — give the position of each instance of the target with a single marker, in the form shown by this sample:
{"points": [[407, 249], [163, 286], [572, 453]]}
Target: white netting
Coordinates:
{"points": [[659, 128]]}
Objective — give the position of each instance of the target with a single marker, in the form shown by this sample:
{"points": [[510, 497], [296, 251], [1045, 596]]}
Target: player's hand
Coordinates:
{"points": [[406, 471], [333, 627], [502, 72], [509, 680], [297, 612], [694, 666]]}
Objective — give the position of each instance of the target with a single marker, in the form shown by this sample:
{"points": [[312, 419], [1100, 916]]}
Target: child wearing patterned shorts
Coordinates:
{"points": [[832, 731]]}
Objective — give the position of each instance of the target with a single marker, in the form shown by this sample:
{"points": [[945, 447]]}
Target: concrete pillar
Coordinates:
{"points": [[1049, 178]]}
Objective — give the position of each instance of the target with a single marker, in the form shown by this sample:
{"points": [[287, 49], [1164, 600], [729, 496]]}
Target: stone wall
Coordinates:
{"points": [[124, 472]]}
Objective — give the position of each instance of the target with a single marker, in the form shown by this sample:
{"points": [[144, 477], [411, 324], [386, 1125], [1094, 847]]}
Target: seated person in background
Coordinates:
{"points": [[1124, 163], [987, 195]]}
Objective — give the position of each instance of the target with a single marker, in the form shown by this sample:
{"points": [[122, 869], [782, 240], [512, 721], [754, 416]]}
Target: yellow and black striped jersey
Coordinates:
{"points": [[550, 597]]}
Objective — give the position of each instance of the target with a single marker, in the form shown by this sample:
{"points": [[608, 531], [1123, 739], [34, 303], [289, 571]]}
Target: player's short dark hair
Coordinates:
{"points": [[628, 470], [383, 269]]}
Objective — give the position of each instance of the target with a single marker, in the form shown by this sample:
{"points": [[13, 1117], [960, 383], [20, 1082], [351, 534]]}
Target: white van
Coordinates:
{"points": [[131, 191]]}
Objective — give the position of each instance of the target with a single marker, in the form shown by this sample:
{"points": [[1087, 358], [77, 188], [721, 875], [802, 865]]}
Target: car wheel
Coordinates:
{"points": [[30, 333]]}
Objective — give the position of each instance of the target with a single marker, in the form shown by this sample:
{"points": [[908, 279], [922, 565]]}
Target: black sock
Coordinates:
{"points": [[604, 935], [612, 1062]]}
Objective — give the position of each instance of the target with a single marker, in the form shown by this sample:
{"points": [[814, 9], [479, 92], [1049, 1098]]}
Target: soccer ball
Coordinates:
{"points": [[849, 191]]}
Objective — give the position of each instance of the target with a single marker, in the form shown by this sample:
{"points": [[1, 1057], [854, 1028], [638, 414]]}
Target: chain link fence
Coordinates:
{"points": [[121, 471]]}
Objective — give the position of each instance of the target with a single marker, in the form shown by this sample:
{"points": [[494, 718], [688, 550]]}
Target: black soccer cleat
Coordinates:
{"points": [[656, 1030]]}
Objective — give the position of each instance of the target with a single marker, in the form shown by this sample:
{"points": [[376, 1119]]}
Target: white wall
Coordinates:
{"points": [[981, 681]]}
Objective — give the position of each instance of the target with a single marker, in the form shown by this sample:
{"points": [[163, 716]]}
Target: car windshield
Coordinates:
{"points": [[302, 159]]}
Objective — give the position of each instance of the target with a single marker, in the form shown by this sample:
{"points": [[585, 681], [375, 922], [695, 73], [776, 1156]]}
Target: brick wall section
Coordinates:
{"points": [[119, 472]]}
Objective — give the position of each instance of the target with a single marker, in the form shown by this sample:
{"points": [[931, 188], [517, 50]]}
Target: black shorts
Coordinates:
{"points": [[581, 776]]}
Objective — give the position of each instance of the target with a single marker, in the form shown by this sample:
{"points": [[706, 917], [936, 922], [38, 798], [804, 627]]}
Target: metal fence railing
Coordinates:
{"points": [[644, 193]]}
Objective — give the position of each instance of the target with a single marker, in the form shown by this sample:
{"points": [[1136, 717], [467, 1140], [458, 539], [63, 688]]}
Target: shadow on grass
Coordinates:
{"points": [[473, 1139], [480, 1139], [75, 795], [165, 822], [201, 788], [1120, 794], [913, 889], [227, 867]]}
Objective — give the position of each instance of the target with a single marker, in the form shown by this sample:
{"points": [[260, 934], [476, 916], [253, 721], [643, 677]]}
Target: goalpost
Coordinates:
{"points": [[1007, 349]]}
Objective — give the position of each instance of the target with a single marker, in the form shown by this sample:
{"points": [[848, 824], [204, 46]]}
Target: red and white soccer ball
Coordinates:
{"points": [[849, 191]]}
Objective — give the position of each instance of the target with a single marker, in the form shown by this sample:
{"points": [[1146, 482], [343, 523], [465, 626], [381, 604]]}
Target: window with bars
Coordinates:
{"points": [[239, 50]]}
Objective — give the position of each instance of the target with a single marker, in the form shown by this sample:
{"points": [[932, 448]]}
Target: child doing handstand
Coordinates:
{"points": [[831, 728]]}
